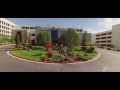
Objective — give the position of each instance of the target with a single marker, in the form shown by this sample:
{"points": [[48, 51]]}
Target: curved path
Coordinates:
{"points": [[108, 62]]}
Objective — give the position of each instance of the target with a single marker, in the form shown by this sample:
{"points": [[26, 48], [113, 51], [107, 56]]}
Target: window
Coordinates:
{"points": [[31, 27], [23, 27], [80, 30], [0, 26], [0, 30], [33, 34], [27, 27], [6, 27], [0, 21], [4, 23], [8, 24], [77, 30], [6, 31], [34, 27]]}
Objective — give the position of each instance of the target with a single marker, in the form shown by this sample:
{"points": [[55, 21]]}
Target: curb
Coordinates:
{"points": [[51, 63]]}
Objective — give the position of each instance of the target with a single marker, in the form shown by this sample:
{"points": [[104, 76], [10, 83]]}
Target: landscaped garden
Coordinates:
{"points": [[6, 39], [69, 49]]}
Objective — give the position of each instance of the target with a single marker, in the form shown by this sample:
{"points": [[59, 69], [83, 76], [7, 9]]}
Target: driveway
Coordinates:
{"points": [[108, 62]]}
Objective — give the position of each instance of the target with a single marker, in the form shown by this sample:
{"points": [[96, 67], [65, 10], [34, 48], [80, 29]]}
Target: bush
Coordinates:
{"points": [[79, 57], [42, 57], [77, 48], [20, 46], [59, 57], [16, 49], [85, 58], [63, 50], [71, 52], [92, 48], [49, 54], [95, 52], [49, 59], [25, 48]]}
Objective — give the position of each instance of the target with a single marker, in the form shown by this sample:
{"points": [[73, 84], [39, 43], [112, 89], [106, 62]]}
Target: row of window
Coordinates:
{"points": [[3, 27], [3, 31], [28, 27], [6, 24]]}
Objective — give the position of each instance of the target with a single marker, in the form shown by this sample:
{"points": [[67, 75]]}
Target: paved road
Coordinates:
{"points": [[109, 60]]}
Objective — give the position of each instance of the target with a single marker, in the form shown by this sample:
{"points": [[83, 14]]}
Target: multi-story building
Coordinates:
{"points": [[9, 28], [108, 38], [54, 30], [6, 26]]}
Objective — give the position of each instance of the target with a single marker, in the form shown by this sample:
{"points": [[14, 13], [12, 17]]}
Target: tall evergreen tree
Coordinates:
{"points": [[85, 40]]}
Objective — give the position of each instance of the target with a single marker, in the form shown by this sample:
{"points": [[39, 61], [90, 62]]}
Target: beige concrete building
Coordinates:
{"points": [[108, 38], [55, 32]]}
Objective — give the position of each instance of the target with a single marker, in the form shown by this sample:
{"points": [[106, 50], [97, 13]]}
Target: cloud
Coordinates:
{"points": [[106, 24]]}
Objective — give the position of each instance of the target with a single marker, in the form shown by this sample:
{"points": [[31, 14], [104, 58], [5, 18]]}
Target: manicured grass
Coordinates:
{"points": [[34, 54], [91, 55], [37, 51]]}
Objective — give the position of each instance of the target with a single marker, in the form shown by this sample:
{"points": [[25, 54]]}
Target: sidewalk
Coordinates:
{"points": [[110, 50], [7, 45]]}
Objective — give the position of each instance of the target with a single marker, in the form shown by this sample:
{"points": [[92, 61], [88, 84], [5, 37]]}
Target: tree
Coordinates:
{"points": [[63, 39], [85, 40], [71, 38], [11, 40], [26, 37], [17, 40], [42, 37]]}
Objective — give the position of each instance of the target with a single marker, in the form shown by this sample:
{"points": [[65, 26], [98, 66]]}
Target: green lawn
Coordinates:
{"points": [[91, 55], [37, 50]]}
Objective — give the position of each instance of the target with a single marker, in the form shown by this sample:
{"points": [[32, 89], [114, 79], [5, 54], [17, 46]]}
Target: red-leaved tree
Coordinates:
{"points": [[48, 45]]}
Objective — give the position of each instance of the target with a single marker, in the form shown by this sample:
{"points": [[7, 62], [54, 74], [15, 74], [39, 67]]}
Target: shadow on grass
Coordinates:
{"points": [[38, 48], [37, 55]]}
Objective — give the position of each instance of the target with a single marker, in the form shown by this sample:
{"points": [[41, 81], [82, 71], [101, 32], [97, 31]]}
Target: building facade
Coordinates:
{"points": [[9, 28], [55, 32], [6, 26], [109, 37]]}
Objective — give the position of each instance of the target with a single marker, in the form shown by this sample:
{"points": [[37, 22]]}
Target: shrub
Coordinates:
{"points": [[79, 57], [92, 48], [71, 52], [48, 44], [85, 54], [63, 50], [85, 48], [59, 57], [25, 48], [29, 46], [77, 48], [49, 59], [85, 58], [42, 57], [16, 49], [20, 46], [49, 54]]}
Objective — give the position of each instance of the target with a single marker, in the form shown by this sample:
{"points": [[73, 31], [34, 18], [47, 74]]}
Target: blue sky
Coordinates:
{"points": [[93, 25]]}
